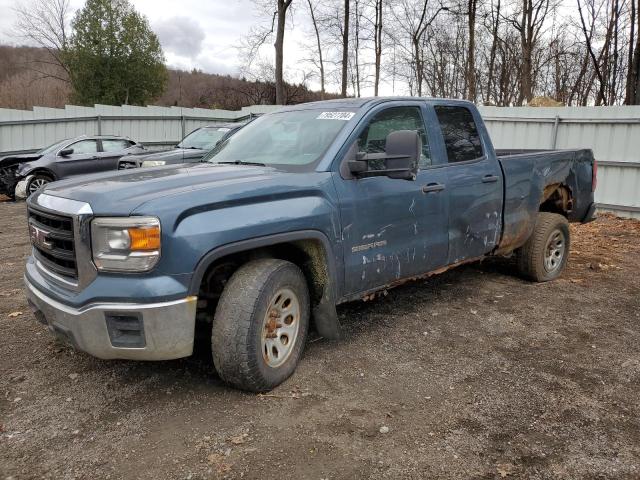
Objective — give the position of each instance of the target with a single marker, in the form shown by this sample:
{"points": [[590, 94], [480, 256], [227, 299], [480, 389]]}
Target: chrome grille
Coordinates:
{"points": [[53, 243]]}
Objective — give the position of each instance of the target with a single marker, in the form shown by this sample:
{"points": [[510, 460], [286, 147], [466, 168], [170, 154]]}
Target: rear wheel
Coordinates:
{"points": [[38, 181], [545, 254], [260, 325]]}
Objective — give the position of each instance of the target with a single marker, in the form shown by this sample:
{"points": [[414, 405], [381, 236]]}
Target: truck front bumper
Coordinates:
{"points": [[130, 331]]}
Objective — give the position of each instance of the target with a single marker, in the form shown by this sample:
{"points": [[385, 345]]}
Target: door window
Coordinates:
{"points": [[460, 133], [84, 146], [115, 144], [373, 137]]}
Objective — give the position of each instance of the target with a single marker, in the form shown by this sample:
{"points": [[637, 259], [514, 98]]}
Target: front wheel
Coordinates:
{"points": [[544, 256], [38, 181], [260, 325]]}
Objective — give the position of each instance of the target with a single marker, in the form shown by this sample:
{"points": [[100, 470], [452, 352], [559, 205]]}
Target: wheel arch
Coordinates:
{"points": [[308, 249], [44, 171], [557, 198]]}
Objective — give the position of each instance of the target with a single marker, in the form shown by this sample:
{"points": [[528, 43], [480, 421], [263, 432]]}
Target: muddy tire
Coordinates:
{"points": [[260, 325], [545, 254], [39, 180]]}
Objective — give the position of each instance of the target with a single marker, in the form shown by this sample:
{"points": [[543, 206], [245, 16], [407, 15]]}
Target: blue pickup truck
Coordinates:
{"points": [[303, 209]]}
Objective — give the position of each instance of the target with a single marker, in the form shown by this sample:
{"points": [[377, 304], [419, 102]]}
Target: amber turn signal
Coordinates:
{"points": [[144, 238]]}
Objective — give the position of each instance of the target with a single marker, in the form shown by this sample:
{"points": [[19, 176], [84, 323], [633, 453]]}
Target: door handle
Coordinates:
{"points": [[490, 178], [432, 188]]}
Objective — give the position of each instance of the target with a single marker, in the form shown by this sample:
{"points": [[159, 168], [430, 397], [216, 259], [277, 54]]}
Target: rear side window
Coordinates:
{"points": [[460, 133], [115, 144]]}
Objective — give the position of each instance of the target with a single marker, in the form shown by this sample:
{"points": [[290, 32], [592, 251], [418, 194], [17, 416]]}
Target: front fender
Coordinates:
{"points": [[324, 313]]}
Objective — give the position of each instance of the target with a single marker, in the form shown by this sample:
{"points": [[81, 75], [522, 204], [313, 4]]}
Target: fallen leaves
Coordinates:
{"points": [[504, 469], [239, 439], [218, 461]]}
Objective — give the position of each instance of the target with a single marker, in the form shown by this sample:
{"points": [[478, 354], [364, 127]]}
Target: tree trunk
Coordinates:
{"points": [[317, 32], [345, 48], [357, 47], [492, 55], [377, 45], [525, 71], [283, 5], [471, 59], [633, 73], [416, 53]]}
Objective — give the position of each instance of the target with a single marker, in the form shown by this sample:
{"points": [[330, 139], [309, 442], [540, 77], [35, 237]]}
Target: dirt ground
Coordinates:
{"points": [[476, 374]]}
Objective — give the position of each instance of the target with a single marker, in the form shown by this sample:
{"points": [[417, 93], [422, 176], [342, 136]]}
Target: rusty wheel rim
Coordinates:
{"points": [[280, 327], [554, 251]]}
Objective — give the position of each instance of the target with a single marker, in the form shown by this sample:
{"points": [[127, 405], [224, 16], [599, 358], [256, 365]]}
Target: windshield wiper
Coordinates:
{"points": [[242, 162]]}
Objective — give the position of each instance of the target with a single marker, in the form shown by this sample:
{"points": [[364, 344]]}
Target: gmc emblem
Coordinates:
{"points": [[39, 237]]}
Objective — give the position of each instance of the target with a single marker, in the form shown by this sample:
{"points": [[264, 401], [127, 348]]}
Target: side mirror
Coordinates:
{"points": [[403, 149], [400, 160], [66, 152]]}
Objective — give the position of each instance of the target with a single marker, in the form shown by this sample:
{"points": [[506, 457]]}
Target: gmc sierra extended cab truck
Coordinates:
{"points": [[301, 210]]}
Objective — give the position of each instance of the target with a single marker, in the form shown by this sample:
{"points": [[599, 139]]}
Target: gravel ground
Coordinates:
{"points": [[472, 374]]}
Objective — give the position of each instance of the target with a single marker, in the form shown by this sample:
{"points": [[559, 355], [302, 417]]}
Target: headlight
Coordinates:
{"points": [[153, 163], [125, 244]]}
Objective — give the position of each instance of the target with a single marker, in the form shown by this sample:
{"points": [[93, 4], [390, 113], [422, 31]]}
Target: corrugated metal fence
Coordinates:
{"points": [[613, 133], [24, 131]]}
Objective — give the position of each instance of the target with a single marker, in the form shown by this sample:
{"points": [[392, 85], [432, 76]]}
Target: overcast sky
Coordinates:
{"points": [[200, 34]]}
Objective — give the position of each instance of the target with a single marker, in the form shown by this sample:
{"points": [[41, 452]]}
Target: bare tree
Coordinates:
{"points": [[529, 22], [345, 48], [632, 96], [472, 7], [413, 19], [316, 30], [45, 23], [377, 39], [259, 35], [283, 6]]}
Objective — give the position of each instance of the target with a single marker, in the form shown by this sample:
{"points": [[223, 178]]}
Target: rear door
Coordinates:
{"points": [[112, 150], [391, 228], [81, 161], [474, 181]]}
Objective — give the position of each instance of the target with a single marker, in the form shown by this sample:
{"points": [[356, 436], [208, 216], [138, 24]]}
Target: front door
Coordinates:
{"points": [[392, 229], [83, 160]]}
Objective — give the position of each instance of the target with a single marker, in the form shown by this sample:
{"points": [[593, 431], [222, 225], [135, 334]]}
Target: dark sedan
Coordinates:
{"points": [[63, 159], [192, 148]]}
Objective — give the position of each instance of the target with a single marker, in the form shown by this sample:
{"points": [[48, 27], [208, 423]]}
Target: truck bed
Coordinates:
{"points": [[527, 174]]}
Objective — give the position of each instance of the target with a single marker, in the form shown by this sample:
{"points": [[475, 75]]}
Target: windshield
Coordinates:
{"points": [[295, 138], [203, 138], [54, 147]]}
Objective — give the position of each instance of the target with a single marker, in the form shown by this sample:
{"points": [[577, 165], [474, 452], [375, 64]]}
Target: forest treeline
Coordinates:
{"points": [[21, 87], [495, 52], [492, 52]]}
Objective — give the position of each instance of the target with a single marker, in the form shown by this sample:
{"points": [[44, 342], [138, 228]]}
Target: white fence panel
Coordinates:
{"points": [[613, 133], [156, 127]]}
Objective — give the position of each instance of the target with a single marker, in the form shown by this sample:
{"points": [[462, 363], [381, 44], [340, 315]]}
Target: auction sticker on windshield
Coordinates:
{"points": [[335, 116]]}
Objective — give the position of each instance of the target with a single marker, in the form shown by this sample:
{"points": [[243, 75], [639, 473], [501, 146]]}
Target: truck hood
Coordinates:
{"points": [[120, 193]]}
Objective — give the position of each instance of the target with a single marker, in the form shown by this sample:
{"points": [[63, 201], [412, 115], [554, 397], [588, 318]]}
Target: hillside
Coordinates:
{"points": [[27, 80]]}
